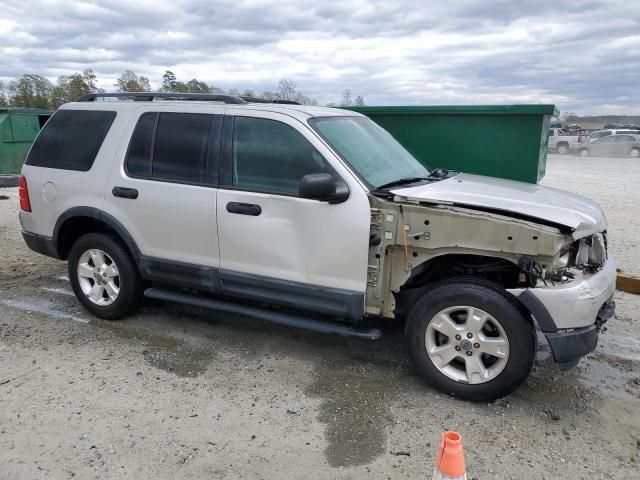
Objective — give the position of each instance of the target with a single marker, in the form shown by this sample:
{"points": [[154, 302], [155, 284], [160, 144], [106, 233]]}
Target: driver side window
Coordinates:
{"points": [[270, 156]]}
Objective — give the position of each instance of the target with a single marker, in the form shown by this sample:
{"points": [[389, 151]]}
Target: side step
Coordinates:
{"points": [[275, 317]]}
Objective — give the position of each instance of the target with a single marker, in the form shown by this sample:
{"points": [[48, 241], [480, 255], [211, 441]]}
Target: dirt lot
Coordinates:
{"points": [[176, 392]]}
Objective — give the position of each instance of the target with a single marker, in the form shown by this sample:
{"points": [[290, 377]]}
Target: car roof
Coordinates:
{"points": [[302, 112], [616, 130], [632, 133]]}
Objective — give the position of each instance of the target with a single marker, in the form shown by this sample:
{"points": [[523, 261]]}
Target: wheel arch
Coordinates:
{"points": [[80, 220], [500, 272]]}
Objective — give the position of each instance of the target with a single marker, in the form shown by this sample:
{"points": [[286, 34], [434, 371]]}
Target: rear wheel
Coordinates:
{"points": [[584, 152], [104, 277], [634, 153], [471, 340], [563, 148]]}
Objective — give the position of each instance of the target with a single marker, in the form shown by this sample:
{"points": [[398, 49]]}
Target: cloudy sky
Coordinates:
{"points": [[582, 55]]}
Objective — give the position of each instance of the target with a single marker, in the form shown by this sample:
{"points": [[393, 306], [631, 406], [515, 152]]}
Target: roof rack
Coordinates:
{"points": [[150, 96], [264, 100]]}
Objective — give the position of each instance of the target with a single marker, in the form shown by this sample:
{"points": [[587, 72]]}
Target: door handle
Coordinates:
{"points": [[244, 208], [124, 192]]}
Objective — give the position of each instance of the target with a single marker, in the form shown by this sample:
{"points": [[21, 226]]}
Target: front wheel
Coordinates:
{"points": [[584, 152], [471, 340], [634, 153], [104, 277]]}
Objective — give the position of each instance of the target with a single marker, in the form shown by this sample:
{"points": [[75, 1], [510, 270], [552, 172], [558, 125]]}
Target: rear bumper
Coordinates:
{"points": [[41, 244]]}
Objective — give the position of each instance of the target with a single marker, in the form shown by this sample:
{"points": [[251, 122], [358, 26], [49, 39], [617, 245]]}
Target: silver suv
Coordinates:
{"points": [[315, 218]]}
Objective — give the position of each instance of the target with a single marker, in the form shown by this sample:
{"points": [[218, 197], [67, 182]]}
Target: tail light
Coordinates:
{"points": [[23, 192]]}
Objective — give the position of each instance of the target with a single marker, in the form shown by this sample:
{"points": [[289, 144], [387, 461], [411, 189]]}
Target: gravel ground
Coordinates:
{"points": [[177, 392]]}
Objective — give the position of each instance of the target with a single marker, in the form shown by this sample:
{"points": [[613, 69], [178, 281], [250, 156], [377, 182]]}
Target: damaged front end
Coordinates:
{"points": [[573, 299], [585, 255], [546, 247]]}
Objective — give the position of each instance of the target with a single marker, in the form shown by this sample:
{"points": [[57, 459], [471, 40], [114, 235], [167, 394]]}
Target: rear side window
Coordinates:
{"points": [[71, 140], [601, 134], [174, 147]]}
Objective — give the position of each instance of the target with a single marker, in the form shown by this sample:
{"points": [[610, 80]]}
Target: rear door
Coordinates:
{"points": [[164, 193], [275, 246]]}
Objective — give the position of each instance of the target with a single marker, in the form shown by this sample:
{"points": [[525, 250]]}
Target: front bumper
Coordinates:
{"points": [[572, 314], [569, 346], [574, 304]]}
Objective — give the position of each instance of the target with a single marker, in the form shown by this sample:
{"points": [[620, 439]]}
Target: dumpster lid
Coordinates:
{"points": [[32, 111], [524, 109]]}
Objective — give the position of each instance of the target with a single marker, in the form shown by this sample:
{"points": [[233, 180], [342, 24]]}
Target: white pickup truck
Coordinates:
{"points": [[560, 139]]}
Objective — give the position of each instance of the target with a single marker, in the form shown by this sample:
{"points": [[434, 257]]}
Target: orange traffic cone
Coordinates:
{"points": [[450, 461]]}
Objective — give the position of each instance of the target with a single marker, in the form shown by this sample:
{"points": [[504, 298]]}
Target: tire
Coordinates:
{"points": [[563, 148], [634, 153], [506, 320], [98, 294], [584, 152]]}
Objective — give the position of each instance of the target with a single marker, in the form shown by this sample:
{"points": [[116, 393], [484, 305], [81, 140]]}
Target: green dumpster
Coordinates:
{"points": [[18, 130], [507, 141]]}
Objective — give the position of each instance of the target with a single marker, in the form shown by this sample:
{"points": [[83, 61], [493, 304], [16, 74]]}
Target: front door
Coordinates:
{"points": [[164, 195], [623, 145], [274, 245]]}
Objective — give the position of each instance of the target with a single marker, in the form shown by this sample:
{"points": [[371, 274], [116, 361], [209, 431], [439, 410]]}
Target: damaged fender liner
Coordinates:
{"points": [[539, 311]]}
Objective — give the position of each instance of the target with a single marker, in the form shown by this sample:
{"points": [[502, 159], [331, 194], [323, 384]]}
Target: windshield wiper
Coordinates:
{"points": [[402, 181], [441, 173], [435, 174]]}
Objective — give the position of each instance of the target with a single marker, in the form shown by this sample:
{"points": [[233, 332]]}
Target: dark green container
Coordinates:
{"points": [[506, 141], [18, 129]]}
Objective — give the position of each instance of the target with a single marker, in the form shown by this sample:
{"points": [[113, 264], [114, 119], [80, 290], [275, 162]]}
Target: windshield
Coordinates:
{"points": [[369, 149]]}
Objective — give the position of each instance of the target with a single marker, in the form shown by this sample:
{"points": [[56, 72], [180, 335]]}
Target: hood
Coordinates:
{"points": [[546, 205]]}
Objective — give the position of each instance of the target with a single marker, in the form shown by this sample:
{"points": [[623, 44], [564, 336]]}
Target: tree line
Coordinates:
{"points": [[35, 91]]}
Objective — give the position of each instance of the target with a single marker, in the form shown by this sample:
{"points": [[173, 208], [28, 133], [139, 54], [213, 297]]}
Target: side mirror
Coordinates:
{"points": [[323, 187]]}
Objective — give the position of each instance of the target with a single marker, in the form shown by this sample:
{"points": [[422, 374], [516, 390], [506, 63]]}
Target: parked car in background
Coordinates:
{"points": [[593, 136], [623, 145], [560, 140]]}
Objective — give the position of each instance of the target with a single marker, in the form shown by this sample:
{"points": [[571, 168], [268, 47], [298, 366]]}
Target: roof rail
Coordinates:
{"points": [[264, 100], [150, 96]]}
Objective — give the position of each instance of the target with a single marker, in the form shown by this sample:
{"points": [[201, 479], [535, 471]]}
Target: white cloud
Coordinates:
{"points": [[583, 55]]}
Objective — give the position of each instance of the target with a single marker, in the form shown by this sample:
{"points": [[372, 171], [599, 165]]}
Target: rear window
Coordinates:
{"points": [[71, 140]]}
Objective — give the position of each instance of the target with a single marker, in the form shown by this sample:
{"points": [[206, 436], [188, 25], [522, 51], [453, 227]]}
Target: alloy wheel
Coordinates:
{"points": [[467, 344], [98, 277]]}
